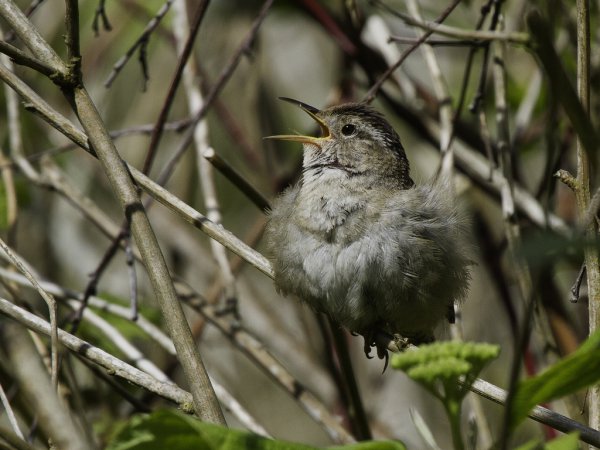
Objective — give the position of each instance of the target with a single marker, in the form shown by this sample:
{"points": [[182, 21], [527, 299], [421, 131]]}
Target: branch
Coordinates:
{"points": [[443, 98], [40, 394], [460, 33], [585, 171], [195, 103], [23, 59], [31, 37], [372, 93], [114, 366], [10, 414], [238, 180], [140, 42], [205, 402], [225, 74], [133, 354], [50, 303], [185, 55]]}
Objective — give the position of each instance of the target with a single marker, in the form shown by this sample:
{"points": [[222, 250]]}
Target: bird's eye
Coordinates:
{"points": [[348, 129]]}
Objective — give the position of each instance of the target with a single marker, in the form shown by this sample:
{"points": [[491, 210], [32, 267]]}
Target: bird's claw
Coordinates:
{"points": [[382, 352], [367, 349]]}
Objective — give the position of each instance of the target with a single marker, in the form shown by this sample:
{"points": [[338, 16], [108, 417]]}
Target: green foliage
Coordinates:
{"points": [[446, 363], [447, 370], [129, 329], [566, 442], [172, 430], [573, 373]]}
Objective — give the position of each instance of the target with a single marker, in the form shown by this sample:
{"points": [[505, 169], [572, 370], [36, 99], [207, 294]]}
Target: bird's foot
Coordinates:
{"points": [[370, 342]]}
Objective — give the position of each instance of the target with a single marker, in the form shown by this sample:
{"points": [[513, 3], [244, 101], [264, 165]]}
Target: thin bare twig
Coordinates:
{"points": [[100, 16], [485, 10], [132, 353], [185, 54], [32, 38], [438, 42], [18, 262], [237, 179], [113, 365], [23, 59], [372, 93], [224, 76], [39, 390], [10, 414], [443, 98], [476, 35], [33, 6], [195, 102], [141, 41], [480, 92], [256, 351]]}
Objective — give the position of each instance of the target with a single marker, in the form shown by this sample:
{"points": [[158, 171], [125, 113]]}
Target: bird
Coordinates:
{"points": [[358, 240]]}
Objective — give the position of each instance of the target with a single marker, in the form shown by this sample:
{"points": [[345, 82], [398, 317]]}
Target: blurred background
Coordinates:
{"points": [[247, 54]]}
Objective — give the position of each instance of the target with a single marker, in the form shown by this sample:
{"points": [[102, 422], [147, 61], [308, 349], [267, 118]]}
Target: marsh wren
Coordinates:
{"points": [[357, 240]]}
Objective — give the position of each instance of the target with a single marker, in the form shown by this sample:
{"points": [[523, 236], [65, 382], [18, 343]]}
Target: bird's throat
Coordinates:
{"points": [[328, 197]]}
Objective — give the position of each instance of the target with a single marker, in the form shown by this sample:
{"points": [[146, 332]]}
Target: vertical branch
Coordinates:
{"points": [[205, 401], [206, 404], [356, 410], [185, 53], [205, 173], [582, 193], [72, 31], [439, 85]]}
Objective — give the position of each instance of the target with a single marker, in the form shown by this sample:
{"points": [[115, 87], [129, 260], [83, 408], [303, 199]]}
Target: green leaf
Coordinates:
{"points": [[567, 442], [172, 430], [575, 372], [444, 361], [531, 445]]}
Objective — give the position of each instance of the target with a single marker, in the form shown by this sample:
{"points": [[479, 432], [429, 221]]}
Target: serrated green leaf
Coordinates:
{"points": [[172, 430], [575, 372]]}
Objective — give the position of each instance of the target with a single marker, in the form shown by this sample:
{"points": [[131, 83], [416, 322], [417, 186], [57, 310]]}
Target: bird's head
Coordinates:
{"points": [[354, 139]]}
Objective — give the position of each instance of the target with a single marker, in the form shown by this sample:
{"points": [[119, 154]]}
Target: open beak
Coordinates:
{"points": [[312, 112]]}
